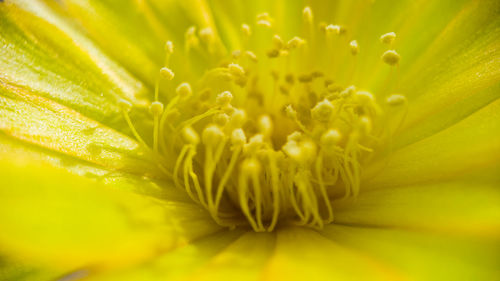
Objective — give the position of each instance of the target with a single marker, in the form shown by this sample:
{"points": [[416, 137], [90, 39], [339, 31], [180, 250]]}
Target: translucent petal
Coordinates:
{"points": [[423, 256], [55, 218], [45, 54], [11, 148], [455, 207], [469, 145], [43, 122], [122, 29]]}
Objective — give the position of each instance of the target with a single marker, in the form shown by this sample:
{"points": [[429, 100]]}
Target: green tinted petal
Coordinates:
{"points": [[11, 148], [179, 263], [122, 29], [46, 55], [49, 216], [457, 75], [16, 270], [40, 121], [423, 256], [469, 145]]}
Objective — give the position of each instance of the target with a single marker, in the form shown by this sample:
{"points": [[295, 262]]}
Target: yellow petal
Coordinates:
{"points": [[303, 254], [179, 263], [66, 221], [457, 207], [423, 256], [469, 145]]}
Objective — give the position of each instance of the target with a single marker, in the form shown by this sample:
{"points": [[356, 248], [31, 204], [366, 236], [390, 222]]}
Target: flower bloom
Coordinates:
{"points": [[316, 140]]}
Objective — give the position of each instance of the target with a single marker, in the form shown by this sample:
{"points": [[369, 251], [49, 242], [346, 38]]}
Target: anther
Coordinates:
{"points": [[238, 137], [264, 23], [221, 119], [332, 29], [190, 37], [395, 100], [251, 55], [190, 136], [388, 38], [156, 108], [354, 47], [364, 97], [391, 57], [295, 42], [250, 166], [207, 34], [236, 54], [125, 105], [184, 90], [169, 47], [238, 118], [245, 29], [347, 92], [307, 15], [212, 135], [330, 138], [224, 98], [236, 69], [290, 112], [365, 124], [277, 41], [167, 73], [265, 125], [323, 111]]}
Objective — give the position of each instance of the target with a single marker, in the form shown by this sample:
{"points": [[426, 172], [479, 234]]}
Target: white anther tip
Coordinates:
{"points": [[238, 137], [330, 138], [169, 47], [167, 73], [184, 90], [322, 111], [190, 136], [307, 14], [224, 98], [235, 69], [245, 29], [212, 135], [354, 47], [395, 100], [333, 29], [125, 105], [156, 108], [388, 38]]}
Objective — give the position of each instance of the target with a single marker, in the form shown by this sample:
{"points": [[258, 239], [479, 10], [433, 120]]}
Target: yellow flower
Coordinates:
{"points": [[249, 140]]}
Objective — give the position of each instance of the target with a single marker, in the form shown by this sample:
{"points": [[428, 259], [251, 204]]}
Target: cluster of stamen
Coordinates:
{"points": [[279, 144]]}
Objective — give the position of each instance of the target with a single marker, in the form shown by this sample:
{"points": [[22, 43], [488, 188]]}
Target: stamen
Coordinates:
{"points": [[307, 15], [391, 57], [388, 38], [354, 47], [126, 106], [332, 30], [166, 73], [156, 109], [395, 100], [308, 134]]}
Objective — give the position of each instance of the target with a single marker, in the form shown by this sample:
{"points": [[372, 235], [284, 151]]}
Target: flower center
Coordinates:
{"points": [[266, 136]]}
